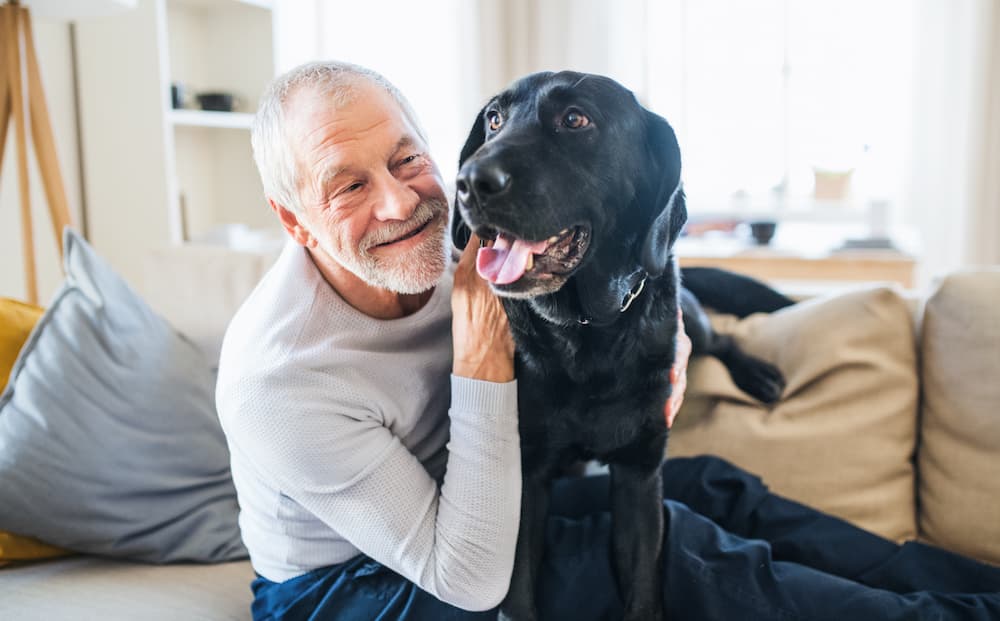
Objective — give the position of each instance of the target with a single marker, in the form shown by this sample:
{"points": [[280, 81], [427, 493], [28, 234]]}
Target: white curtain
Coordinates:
{"points": [[518, 37], [954, 172], [984, 230]]}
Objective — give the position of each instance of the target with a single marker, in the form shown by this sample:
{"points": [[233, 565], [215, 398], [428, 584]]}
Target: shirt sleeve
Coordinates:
{"points": [[339, 462]]}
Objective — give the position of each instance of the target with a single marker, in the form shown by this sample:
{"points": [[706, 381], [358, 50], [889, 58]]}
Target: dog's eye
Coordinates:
{"points": [[574, 119], [494, 119]]}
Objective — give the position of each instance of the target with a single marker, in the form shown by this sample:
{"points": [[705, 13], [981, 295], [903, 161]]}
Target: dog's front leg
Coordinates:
{"points": [[637, 516], [519, 605]]}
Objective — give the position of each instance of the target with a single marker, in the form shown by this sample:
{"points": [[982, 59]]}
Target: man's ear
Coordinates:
{"points": [[460, 232], [668, 208], [291, 223]]}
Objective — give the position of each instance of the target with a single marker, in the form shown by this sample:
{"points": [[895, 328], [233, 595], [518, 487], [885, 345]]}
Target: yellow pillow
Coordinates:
{"points": [[16, 322], [17, 548]]}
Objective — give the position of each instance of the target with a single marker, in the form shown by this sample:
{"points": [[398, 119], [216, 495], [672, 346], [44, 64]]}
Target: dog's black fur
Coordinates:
{"points": [[592, 369]]}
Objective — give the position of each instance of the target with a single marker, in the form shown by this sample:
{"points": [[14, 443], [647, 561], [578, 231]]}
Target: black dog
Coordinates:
{"points": [[578, 187]]}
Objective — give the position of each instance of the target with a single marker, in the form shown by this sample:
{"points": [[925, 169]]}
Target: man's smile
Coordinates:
{"points": [[415, 234]]}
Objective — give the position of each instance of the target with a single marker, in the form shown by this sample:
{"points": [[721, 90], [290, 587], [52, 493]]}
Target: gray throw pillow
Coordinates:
{"points": [[109, 440]]}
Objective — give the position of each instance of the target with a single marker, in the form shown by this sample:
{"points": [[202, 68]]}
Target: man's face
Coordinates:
{"points": [[370, 194]]}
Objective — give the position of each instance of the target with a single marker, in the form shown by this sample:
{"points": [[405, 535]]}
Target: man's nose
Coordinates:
{"points": [[398, 200], [481, 181]]}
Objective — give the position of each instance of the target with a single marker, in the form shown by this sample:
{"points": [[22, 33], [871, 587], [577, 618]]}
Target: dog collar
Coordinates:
{"points": [[630, 297]]}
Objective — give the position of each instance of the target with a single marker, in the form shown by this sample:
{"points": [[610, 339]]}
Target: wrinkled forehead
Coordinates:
{"points": [[361, 106]]}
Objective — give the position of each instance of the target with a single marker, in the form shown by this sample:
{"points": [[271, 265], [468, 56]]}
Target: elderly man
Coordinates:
{"points": [[367, 392]]}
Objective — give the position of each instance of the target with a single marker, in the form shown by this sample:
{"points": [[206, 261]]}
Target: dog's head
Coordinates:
{"points": [[576, 183]]}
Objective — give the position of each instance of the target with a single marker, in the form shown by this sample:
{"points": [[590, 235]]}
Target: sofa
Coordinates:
{"points": [[891, 419]]}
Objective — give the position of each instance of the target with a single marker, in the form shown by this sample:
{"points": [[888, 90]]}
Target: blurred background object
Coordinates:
{"points": [[849, 123], [23, 106]]}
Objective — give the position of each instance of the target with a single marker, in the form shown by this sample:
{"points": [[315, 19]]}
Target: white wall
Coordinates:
{"points": [[52, 46], [122, 102]]}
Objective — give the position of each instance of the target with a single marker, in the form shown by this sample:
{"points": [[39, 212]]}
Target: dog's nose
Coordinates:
{"points": [[481, 180]]}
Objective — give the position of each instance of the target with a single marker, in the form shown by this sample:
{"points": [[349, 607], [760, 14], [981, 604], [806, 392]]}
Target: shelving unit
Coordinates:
{"points": [[153, 175], [214, 46], [203, 118]]}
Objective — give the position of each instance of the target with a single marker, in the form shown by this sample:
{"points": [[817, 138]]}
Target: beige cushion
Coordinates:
{"points": [[842, 437], [199, 287], [959, 461]]}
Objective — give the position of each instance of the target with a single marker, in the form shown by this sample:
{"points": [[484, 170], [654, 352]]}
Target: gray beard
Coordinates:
{"points": [[416, 271]]}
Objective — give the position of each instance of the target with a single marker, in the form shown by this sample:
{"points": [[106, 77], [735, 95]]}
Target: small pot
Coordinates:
{"points": [[763, 231], [217, 102]]}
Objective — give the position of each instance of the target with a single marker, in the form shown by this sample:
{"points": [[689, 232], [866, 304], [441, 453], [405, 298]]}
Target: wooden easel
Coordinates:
{"points": [[15, 30]]}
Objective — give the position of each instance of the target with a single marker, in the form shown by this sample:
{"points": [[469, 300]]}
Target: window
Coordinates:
{"points": [[762, 92]]}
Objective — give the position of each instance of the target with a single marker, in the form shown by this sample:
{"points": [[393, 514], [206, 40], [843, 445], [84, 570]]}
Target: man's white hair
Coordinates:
{"points": [[335, 80]]}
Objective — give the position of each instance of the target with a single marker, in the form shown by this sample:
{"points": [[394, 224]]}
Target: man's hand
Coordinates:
{"points": [[481, 340], [678, 373]]}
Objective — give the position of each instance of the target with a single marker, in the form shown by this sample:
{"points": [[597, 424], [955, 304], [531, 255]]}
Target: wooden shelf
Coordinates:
{"points": [[215, 4], [205, 118], [854, 266]]}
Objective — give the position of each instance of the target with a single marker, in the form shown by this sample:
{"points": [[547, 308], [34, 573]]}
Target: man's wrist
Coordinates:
{"points": [[489, 370]]}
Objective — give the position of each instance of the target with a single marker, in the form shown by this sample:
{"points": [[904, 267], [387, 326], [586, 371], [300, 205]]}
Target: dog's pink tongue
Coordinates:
{"points": [[507, 260]]}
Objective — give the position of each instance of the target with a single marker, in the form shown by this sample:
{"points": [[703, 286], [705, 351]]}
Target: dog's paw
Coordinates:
{"points": [[762, 381]]}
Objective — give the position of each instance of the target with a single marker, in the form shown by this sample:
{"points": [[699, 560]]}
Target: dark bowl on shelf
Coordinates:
{"points": [[216, 102], [763, 231]]}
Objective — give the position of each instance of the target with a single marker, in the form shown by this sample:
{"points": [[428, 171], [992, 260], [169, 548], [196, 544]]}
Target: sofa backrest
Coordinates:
{"points": [[199, 287], [958, 459]]}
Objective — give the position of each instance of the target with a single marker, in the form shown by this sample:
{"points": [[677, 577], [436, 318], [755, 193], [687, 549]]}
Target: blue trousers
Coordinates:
{"points": [[732, 551]]}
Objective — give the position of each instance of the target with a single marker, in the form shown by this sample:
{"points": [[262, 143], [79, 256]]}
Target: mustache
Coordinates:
{"points": [[426, 211]]}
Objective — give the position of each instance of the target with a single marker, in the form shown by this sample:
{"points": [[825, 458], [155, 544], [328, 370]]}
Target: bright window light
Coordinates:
{"points": [[764, 92]]}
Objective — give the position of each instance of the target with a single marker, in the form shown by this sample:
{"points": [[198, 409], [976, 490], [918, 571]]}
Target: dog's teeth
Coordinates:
{"points": [[553, 239], [564, 231], [531, 262]]}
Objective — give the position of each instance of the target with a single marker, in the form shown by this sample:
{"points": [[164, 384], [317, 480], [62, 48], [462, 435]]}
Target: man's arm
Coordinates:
{"points": [[330, 453], [339, 462]]}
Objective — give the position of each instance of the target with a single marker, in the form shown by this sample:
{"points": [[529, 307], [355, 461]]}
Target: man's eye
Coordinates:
{"points": [[574, 119], [353, 187], [494, 119], [409, 159]]}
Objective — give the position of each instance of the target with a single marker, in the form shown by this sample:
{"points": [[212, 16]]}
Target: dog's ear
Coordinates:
{"points": [[477, 136], [460, 233], [668, 207]]}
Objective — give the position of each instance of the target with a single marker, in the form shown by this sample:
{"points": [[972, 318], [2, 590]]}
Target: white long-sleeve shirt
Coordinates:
{"points": [[338, 427]]}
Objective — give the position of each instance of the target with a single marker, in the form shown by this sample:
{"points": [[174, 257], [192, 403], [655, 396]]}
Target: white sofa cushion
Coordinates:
{"points": [[88, 588], [199, 287]]}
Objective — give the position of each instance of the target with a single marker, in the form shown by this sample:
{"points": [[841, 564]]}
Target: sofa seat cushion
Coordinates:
{"points": [[959, 458], [842, 437], [88, 587]]}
